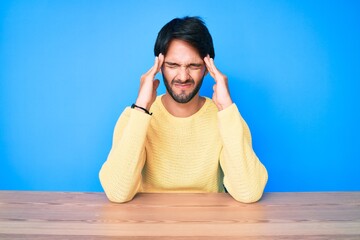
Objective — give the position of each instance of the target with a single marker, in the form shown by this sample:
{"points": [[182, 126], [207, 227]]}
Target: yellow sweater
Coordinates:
{"points": [[200, 153]]}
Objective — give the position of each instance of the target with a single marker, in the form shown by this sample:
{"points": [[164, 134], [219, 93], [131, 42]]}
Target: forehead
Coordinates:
{"points": [[182, 52]]}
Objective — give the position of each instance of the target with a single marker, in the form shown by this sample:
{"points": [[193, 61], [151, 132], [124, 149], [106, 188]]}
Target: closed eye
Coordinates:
{"points": [[191, 66], [195, 66], [171, 65]]}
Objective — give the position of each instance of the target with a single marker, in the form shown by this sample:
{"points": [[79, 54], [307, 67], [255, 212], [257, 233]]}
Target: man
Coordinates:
{"points": [[182, 142]]}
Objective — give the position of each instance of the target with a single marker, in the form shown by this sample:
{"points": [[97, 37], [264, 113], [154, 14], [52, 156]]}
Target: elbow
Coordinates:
{"points": [[116, 196], [114, 192], [249, 197], [250, 192], [117, 199]]}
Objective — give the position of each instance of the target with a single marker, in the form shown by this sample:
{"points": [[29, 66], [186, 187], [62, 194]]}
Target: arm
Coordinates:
{"points": [[245, 176], [120, 175]]}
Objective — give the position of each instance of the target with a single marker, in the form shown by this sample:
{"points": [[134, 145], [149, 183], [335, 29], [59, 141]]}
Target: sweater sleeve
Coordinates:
{"points": [[245, 176], [120, 175]]}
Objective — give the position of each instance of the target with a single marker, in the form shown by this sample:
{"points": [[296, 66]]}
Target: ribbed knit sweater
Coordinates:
{"points": [[197, 154]]}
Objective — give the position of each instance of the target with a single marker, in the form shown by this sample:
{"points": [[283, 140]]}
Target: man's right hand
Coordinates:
{"points": [[148, 85]]}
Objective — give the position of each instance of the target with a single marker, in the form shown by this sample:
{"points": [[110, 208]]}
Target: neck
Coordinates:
{"points": [[182, 109]]}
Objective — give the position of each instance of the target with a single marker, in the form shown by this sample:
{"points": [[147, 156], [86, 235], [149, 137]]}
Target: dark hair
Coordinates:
{"points": [[189, 29]]}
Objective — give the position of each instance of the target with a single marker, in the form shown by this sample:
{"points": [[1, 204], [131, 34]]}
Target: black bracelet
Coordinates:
{"points": [[144, 109]]}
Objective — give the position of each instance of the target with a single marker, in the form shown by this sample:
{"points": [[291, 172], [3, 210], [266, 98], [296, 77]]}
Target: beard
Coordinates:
{"points": [[182, 97]]}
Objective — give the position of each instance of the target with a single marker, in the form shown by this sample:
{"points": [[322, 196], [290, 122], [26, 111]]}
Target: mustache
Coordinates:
{"points": [[176, 81]]}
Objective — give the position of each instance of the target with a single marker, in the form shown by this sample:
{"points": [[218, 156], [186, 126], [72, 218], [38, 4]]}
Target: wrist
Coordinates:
{"points": [[142, 104], [140, 108], [226, 105]]}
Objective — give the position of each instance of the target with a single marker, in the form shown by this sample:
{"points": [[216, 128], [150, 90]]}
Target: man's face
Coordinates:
{"points": [[183, 71]]}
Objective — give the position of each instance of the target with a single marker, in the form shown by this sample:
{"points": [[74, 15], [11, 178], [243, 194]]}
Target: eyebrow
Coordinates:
{"points": [[188, 65]]}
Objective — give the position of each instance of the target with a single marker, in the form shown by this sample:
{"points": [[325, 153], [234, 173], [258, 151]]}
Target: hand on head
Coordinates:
{"points": [[148, 84], [221, 95]]}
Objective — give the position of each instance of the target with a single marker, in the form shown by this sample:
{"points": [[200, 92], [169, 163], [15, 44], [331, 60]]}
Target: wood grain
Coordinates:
{"points": [[69, 215]]}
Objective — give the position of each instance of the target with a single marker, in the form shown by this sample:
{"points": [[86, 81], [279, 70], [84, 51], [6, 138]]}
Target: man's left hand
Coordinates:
{"points": [[221, 95]]}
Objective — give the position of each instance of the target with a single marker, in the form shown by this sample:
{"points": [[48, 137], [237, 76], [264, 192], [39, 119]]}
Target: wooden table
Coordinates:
{"points": [[60, 215]]}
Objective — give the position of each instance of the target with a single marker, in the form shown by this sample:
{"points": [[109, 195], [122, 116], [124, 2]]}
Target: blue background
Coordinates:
{"points": [[69, 68]]}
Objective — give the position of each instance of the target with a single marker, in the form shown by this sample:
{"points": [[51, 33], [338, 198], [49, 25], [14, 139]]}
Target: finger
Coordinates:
{"points": [[160, 62], [209, 66], [214, 99], [157, 65], [207, 63], [156, 84], [153, 68], [214, 68], [214, 72]]}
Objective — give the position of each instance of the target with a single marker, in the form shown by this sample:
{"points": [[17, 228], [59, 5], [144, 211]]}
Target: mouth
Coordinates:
{"points": [[183, 86]]}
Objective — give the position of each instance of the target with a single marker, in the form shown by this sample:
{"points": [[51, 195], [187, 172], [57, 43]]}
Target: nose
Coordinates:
{"points": [[183, 73]]}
